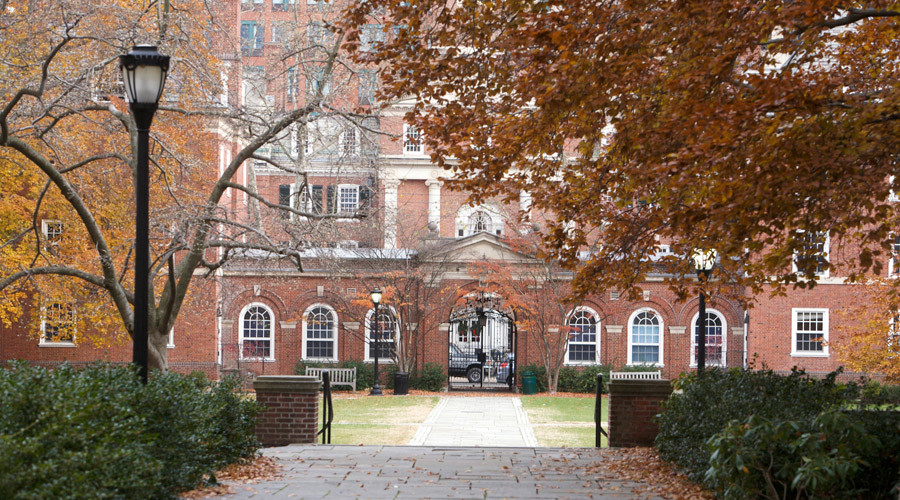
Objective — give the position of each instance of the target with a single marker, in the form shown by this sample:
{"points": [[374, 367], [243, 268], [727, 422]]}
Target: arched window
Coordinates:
{"points": [[382, 334], [320, 333], [482, 219], [479, 222], [257, 332], [584, 337], [715, 339], [645, 340]]}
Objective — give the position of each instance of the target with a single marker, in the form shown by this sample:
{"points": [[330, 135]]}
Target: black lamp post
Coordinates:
{"points": [[144, 70], [375, 337], [704, 260]]}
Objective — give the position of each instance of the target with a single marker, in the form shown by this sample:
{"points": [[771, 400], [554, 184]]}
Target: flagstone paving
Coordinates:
{"points": [[342, 471]]}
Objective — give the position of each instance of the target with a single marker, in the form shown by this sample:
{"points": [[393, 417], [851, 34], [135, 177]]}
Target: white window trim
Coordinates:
{"points": [[368, 336], [170, 343], [45, 227], [338, 207], [246, 308], [662, 330], [596, 335], [724, 361], [825, 326], [334, 333], [64, 343], [827, 248], [411, 152]]}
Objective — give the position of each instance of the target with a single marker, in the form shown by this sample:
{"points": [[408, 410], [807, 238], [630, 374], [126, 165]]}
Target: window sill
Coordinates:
{"points": [[57, 344], [582, 363], [810, 355], [652, 365], [322, 360], [170, 346], [381, 361], [259, 360]]}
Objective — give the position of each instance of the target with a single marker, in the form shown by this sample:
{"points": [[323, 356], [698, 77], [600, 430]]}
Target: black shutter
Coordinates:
{"points": [[364, 197], [317, 199], [332, 199], [284, 199]]}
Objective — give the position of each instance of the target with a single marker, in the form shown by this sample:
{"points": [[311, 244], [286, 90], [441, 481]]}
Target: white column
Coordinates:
{"points": [[390, 212], [434, 203], [525, 203]]}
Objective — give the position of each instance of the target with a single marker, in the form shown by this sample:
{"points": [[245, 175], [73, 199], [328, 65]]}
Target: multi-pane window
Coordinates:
{"points": [[812, 253], [315, 34], [293, 84], [370, 37], [349, 142], [282, 4], [52, 231], [252, 38], [368, 84], [412, 139], [715, 340], [644, 339], [583, 337], [58, 324], [810, 332], [480, 222], [319, 333], [348, 199], [256, 332], [316, 80], [380, 334]]}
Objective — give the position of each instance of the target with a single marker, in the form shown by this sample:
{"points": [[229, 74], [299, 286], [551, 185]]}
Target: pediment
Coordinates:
{"points": [[478, 247]]}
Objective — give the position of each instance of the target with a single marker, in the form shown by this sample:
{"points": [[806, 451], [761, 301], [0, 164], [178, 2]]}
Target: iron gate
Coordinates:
{"points": [[482, 345]]}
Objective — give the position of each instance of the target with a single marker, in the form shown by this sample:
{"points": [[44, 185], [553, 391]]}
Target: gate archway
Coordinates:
{"points": [[482, 344]]}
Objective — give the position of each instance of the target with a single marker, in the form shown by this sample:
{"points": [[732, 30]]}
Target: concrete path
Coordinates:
{"points": [[487, 421], [331, 471]]}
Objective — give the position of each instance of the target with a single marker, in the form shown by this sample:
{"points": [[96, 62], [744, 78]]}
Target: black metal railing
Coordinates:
{"points": [[327, 408], [598, 413]]}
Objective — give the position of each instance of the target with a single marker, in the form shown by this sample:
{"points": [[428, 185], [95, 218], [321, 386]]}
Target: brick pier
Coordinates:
{"points": [[292, 409], [632, 405]]}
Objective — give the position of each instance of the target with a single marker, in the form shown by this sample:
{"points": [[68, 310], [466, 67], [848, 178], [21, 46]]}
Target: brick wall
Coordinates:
{"points": [[632, 405], [292, 409]]}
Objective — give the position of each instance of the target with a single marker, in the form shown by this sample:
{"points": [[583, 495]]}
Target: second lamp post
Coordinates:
{"points": [[704, 260], [375, 336]]}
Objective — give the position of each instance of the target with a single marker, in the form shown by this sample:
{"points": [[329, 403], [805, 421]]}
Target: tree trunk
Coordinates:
{"points": [[157, 351]]}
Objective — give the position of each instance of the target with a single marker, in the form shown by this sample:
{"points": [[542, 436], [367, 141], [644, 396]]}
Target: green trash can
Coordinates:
{"points": [[529, 383]]}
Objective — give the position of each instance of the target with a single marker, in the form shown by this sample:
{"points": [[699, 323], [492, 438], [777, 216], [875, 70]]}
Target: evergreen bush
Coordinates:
{"points": [[98, 432], [431, 377], [707, 404]]}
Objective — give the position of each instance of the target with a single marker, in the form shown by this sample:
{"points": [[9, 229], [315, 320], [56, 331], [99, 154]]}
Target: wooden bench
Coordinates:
{"points": [[635, 375], [339, 376]]}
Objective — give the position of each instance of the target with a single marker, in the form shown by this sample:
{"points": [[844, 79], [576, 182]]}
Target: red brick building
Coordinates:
{"points": [[393, 221]]}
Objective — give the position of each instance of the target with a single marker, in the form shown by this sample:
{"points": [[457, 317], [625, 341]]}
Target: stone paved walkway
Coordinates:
{"points": [[489, 421], [326, 471]]}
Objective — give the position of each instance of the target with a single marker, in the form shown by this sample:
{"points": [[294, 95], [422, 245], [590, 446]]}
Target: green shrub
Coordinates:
{"points": [[540, 374], [638, 368], [98, 433], [430, 378], [582, 379], [876, 394], [709, 403], [834, 455]]}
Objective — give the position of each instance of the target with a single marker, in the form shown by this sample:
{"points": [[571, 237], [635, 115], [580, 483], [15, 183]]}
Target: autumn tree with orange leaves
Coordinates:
{"points": [[871, 332], [67, 149], [736, 125]]}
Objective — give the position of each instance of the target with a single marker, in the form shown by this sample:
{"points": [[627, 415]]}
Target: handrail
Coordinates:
{"points": [[327, 410], [598, 413]]}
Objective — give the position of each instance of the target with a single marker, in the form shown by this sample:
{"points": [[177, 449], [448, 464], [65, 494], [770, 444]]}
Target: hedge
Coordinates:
{"points": [[98, 432], [431, 377], [707, 404]]}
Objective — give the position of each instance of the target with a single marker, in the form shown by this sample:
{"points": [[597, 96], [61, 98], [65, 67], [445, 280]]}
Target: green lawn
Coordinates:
{"points": [[364, 419], [563, 421], [389, 420]]}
